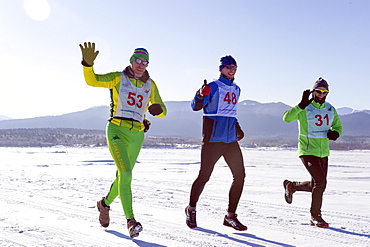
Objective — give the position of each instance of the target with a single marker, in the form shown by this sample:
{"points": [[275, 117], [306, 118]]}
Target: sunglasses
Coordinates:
{"points": [[321, 91], [145, 63], [231, 67]]}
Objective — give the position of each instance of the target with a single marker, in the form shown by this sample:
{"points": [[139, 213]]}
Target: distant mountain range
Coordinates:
{"points": [[4, 118], [260, 121], [348, 110]]}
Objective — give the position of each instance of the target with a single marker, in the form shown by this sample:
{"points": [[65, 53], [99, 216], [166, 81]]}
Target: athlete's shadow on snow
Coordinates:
{"points": [[262, 239], [244, 235], [137, 241], [347, 232]]}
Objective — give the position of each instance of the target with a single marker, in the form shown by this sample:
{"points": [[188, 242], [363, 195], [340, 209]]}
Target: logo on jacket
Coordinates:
{"points": [[116, 137]]}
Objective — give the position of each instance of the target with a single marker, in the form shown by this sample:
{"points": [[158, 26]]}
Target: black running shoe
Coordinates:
{"points": [[134, 227], [234, 223], [191, 217], [319, 222], [288, 191]]}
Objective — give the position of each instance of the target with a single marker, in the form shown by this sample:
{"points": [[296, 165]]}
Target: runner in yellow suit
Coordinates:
{"points": [[133, 92]]}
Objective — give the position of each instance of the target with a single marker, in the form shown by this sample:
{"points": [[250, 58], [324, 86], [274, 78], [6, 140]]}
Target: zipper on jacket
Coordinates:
{"points": [[308, 143]]}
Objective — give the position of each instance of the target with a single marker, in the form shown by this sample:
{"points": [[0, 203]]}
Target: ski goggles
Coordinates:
{"points": [[139, 61], [231, 67], [317, 90]]}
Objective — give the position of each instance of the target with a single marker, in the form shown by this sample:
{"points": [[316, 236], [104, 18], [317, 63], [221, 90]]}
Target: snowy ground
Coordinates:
{"points": [[48, 198]]}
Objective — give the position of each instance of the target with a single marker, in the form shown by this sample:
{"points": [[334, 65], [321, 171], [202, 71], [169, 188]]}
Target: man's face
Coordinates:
{"points": [[321, 93], [139, 66], [229, 71]]}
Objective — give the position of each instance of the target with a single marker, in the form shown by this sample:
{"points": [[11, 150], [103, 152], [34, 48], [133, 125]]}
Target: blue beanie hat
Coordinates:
{"points": [[227, 60]]}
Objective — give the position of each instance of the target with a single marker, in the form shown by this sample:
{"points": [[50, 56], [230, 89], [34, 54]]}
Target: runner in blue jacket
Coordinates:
{"points": [[221, 131]]}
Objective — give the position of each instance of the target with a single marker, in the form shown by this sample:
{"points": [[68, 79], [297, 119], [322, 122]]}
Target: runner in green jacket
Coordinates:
{"points": [[132, 92], [318, 123]]}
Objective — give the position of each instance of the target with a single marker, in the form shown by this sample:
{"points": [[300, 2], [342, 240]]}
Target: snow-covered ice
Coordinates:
{"points": [[48, 198]]}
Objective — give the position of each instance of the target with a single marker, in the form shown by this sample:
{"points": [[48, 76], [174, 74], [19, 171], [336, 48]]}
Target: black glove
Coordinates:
{"points": [[239, 131], [146, 125], [332, 135], [155, 109], [305, 101]]}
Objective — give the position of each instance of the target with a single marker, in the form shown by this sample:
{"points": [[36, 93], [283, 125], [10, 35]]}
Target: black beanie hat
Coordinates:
{"points": [[320, 83]]}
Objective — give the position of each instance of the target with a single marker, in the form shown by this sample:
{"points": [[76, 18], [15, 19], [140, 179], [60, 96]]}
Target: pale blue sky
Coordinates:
{"points": [[281, 46]]}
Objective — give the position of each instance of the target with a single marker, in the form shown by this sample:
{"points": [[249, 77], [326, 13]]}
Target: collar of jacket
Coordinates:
{"points": [[128, 71], [318, 105], [225, 80]]}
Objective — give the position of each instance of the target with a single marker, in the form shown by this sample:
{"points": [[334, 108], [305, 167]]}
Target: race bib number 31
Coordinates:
{"points": [[322, 120]]}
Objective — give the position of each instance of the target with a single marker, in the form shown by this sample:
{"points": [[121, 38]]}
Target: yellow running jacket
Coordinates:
{"points": [[112, 81]]}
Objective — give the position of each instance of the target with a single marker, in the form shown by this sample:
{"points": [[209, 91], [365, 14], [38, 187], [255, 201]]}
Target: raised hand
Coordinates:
{"points": [[206, 89], [88, 53], [305, 99]]}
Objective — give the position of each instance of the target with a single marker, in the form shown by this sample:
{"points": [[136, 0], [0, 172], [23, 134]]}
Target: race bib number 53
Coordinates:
{"points": [[135, 99]]}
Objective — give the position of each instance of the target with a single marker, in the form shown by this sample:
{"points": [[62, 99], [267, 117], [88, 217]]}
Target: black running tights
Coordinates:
{"points": [[318, 169], [210, 154]]}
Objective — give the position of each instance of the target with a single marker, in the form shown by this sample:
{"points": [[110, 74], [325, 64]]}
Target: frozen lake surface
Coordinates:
{"points": [[49, 199]]}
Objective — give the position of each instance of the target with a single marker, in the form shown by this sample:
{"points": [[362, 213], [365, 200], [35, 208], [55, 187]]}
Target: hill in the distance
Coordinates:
{"points": [[260, 121], [4, 118]]}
